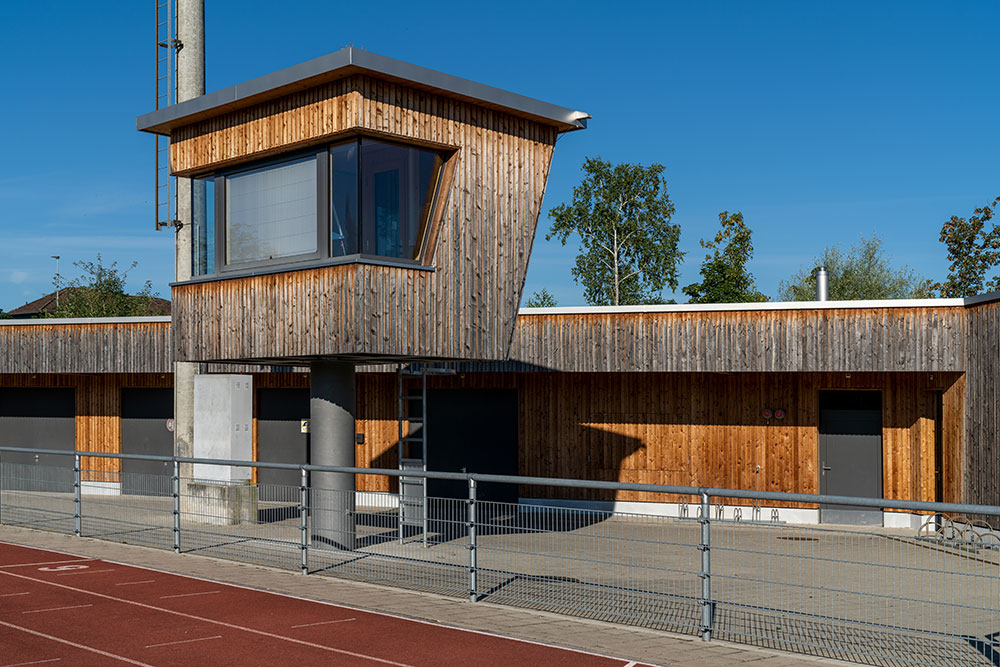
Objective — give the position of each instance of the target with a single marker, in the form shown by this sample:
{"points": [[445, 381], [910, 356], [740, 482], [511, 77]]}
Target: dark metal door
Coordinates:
{"points": [[280, 438], [850, 447], [145, 413], [40, 419], [472, 430]]}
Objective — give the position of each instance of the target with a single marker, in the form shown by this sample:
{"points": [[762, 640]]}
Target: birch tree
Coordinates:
{"points": [[628, 247]]}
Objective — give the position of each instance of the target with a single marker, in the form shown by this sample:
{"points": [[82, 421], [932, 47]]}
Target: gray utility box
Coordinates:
{"points": [[223, 419]]}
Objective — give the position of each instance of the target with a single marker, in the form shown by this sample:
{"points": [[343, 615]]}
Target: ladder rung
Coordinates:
{"points": [[412, 439], [417, 397]]}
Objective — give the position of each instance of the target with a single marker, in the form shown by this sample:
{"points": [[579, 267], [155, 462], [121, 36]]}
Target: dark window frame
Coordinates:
{"points": [[324, 210], [222, 213]]}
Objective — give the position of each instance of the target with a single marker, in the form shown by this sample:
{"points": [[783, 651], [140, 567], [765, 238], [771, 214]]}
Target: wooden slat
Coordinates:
{"points": [[134, 347]]}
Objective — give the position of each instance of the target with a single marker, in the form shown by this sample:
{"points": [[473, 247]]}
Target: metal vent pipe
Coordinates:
{"points": [[822, 284]]}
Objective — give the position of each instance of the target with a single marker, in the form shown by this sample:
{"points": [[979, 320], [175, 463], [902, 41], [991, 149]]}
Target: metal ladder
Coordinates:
{"points": [[166, 94], [412, 448]]}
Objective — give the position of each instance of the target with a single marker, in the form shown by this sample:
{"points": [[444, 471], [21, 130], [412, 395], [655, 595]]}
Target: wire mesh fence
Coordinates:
{"points": [[928, 596]]}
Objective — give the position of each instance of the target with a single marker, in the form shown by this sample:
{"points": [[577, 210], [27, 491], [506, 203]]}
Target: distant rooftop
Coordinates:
{"points": [[46, 305], [342, 64]]}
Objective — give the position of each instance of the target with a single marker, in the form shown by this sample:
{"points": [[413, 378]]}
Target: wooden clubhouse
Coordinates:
{"points": [[356, 213]]}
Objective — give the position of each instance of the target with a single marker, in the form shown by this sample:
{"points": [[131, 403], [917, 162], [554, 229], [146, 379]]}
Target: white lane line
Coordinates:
{"points": [[10, 595], [33, 662], [74, 644], [340, 620], [69, 574], [630, 664], [233, 626], [133, 583], [51, 562], [184, 641], [187, 595], [39, 611]]}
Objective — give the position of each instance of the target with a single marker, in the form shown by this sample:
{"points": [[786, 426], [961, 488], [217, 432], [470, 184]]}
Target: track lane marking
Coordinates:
{"points": [[184, 641], [69, 574], [51, 562], [341, 620], [133, 583], [210, 620], [10, 595], [39, 611], [74, 644], [187, 595], [33, 662], [292, 596]]}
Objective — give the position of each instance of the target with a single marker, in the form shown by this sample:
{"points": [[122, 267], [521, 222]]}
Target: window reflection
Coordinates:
{"points": [[344, 199], [397, 186]]}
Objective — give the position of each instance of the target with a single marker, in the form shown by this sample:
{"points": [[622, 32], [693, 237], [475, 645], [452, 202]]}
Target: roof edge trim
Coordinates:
{"points": [[767, 305], [351, 60], [41, 321]]}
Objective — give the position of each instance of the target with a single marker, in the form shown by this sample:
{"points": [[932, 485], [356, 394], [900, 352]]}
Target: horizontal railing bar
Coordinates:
{"points": [[747, 494]]}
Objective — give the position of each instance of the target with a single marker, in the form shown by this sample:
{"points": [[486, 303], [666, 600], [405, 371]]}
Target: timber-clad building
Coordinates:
{"points": [[355, 213]]}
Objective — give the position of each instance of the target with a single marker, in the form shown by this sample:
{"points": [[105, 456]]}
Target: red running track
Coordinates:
{"points": [[57, 609]]}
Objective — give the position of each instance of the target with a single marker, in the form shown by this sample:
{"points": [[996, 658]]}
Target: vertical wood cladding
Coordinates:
{"points": [[112, 347], [696, 429], [464, 309], [828, 339], [982, 420]]}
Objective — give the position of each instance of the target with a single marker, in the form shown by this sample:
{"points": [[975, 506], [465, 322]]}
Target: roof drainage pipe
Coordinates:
{"points": [[822, 284]]}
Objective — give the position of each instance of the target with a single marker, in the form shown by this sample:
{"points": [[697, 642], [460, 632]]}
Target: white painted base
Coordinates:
{"points": [[729, 512], [100, 488], [376, 501]]}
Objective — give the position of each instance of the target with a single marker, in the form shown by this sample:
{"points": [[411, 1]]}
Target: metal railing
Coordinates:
{"points": [[927, 596]]}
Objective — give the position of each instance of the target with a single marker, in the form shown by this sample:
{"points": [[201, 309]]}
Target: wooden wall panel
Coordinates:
{"points": [[112, 347], [693, 429], [464, 309], [982, 418], [924, 339]]}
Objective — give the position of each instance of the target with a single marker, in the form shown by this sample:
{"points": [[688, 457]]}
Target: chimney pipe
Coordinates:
{"points": [[822, 284]]}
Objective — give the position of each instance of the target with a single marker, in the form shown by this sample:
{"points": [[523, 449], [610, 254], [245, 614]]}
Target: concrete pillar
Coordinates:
{"points": [[331, 415], [190, 84]]}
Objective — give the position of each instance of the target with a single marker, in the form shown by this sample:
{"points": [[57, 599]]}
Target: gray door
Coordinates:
{"points": [[144, 431], [472, 430], [280, 438], [39, 419], [850, 447]]}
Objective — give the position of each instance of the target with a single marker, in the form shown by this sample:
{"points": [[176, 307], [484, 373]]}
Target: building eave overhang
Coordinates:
{"points": [[344, 63]]}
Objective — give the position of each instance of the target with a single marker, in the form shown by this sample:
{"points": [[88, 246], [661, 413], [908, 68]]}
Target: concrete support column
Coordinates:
{"points": [[331, 414]]}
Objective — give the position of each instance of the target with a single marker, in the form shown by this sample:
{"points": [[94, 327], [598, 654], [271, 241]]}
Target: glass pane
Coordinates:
{"points": [[203, 226], [397, 186], [271, 212], [344, 199]]}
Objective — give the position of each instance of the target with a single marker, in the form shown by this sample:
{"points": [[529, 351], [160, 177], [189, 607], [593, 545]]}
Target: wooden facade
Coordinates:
{"points": [[127, 345], [982, 420], [747, 339], [462, 306]]}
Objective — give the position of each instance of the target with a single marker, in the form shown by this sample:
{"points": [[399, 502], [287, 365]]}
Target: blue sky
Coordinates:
{"points": [[821, 122]]}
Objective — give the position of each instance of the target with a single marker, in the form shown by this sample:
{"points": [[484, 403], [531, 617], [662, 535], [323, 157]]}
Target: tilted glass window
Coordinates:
{"points": [[397, 191], [271, 212], [345, 224]]}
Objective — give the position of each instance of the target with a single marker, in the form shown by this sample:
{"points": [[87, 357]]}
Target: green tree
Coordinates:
{"points": [[628, 245], [724, 274], [865, 272], [972, 250], [541, 299], [100, 292]]}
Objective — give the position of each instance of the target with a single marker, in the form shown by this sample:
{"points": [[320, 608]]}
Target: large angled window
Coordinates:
{"points": [[359, 198]]}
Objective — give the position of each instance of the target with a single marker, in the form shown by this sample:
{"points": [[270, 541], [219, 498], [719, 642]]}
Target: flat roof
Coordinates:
{"points": [[344, 63], [766, 305]]}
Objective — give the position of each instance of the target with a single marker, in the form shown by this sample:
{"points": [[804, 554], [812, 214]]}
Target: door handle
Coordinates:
{"points": [[825, 468]]}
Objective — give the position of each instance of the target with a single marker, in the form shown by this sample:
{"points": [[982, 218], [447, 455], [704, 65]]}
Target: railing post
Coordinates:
{"points": [[304, 519], [175, 482], [77, 504], [473, 557], [705, 546]]}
